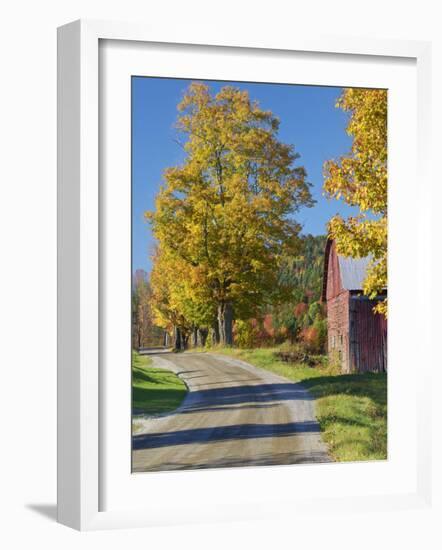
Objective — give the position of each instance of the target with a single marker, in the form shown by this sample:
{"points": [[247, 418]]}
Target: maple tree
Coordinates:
{"points": [[224, 218], [360, 179]]}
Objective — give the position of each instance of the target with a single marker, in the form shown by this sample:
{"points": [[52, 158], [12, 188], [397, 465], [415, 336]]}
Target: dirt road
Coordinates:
{"points": [[233, 415]]}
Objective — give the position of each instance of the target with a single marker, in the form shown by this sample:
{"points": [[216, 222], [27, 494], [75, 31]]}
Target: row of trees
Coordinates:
{"points": [[300, 318], [223, 220], [145, 333]]}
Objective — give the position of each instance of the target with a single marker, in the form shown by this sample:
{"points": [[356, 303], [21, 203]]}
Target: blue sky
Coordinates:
{"points": [[308, 119]]}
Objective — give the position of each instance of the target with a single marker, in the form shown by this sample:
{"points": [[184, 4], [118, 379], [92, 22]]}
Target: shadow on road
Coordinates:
{"points": [[222, 433], [267, 459], [235, 395]]}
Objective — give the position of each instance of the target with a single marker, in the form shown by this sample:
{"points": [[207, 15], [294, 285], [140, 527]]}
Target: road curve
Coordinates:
{"points": [[234, 414]]}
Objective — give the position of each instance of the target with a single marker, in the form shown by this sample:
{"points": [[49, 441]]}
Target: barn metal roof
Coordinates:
{"points": [[353, 271]]}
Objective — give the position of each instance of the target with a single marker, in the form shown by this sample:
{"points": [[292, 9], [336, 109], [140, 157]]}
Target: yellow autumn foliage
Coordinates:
{"points": [[360, 179], [224, 218]]}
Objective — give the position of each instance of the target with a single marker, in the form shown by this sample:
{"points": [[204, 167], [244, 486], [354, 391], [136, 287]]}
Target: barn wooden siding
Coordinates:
{"points": [[368, 337], [332, 286], [337, 310], [356, 334], [338, 320]]}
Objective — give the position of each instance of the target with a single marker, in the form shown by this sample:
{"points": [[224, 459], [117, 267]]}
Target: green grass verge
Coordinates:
{"points": [[154, 391], [351, 409]]}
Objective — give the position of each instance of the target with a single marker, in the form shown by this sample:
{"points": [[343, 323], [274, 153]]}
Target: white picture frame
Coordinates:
{"points": [[80, 435]]}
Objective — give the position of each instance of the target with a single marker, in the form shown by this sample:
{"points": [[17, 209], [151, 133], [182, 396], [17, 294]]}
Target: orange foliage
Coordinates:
{"points": [[310, 336], [300, 310], [268, 326]]}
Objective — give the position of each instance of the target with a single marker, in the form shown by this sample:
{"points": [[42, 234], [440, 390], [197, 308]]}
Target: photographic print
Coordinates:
{"points": [[259, 274]]}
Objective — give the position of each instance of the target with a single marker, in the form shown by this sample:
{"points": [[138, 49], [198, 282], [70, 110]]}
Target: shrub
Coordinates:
{"points": [[295, 353], [310, 338], [245, 333], [300, 310], [314, 310], [268, 326], [321, 326]]}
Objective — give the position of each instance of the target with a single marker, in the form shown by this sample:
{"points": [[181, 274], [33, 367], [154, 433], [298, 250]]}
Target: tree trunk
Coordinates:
{"points": [[139, 339], [225, 322], [195, 337], [177, 338], [215, 333], [166, 339], [202, 336], [184, 341]]}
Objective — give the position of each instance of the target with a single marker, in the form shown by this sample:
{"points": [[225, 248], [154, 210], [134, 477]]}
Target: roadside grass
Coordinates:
{"points": [[154, 391], [351, 408]]}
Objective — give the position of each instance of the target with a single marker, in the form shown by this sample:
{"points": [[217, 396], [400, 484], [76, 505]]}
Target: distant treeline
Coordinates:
{"points": [[299, 318]]}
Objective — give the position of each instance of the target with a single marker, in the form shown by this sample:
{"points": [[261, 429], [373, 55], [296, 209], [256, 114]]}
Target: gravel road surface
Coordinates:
{"points": [[234, 414]]}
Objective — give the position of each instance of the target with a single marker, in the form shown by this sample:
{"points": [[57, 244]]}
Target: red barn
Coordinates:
{"points": [[356, 334]]}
